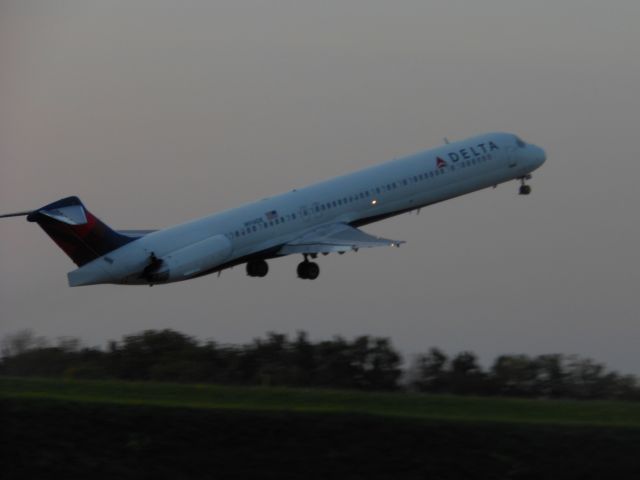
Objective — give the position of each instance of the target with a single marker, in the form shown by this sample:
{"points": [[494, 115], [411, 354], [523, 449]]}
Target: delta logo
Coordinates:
{"points": [[440, 163], [468, 153]]}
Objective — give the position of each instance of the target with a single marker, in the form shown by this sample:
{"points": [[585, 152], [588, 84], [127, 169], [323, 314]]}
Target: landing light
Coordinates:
{"points": [[373, 202]]}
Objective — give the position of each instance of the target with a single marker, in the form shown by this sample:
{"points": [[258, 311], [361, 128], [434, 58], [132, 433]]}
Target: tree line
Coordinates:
{"points": [[364, 363]]}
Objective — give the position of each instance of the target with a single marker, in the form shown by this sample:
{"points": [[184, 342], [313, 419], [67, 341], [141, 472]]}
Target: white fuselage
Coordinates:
{"points": [[230, 237]]}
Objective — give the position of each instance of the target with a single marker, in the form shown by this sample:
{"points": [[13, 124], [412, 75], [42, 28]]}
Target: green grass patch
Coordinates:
{"points": [[411, 406], [131, 430]]}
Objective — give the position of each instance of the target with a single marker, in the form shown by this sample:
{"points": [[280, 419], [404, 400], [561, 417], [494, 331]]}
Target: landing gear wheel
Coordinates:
{"points": [[308, 270], [257, 268], [525, 189], [313, 270]]}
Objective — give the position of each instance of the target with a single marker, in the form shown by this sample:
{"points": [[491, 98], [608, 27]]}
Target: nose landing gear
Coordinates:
{"points": [[524, 188]]}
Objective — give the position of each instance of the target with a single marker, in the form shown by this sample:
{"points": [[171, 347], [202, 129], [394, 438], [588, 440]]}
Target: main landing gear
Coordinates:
{"points": [[257, 268], [524, 188], [308, 270]]}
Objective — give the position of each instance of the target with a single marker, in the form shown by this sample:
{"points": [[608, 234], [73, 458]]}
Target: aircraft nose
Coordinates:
{"points": [[538, 156]]}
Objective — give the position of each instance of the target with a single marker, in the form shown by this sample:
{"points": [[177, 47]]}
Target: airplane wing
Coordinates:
{"points": [[336, 237]]}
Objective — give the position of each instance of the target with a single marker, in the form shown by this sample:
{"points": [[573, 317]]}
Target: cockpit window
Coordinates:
{"points": [[520, 142]]}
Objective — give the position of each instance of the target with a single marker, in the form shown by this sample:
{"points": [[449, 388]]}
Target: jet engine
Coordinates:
{"points": [[191, 260]]}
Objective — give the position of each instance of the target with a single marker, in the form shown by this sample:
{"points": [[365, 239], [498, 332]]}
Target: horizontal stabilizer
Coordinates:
{"points": [[70, 214], [16, 214], [337, 237]]}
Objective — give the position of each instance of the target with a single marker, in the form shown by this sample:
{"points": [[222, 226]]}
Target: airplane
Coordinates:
{"points": [[321, 218]]}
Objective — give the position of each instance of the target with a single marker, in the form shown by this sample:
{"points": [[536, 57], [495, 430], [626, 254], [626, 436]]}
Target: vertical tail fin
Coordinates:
{"points": [[81, 235]]}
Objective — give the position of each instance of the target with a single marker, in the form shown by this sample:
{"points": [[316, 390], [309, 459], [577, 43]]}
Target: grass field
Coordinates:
{"points": [[414, 406], [95, 429]]}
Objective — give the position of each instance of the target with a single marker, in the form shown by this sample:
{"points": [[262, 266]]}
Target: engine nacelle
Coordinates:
{"points": [[193, 259], [128, 265]]}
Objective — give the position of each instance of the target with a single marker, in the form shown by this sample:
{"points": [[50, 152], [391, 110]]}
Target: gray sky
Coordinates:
{"points": [[155, 112]]}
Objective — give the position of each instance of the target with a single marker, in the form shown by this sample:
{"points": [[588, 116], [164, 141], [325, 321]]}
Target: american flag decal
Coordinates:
{"points": [[271, 215]]}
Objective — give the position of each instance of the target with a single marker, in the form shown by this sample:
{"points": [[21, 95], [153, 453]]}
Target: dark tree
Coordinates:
{"points": [[365, 363], [467, 377], [430, 372], [515, 375], [155, 354]]}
